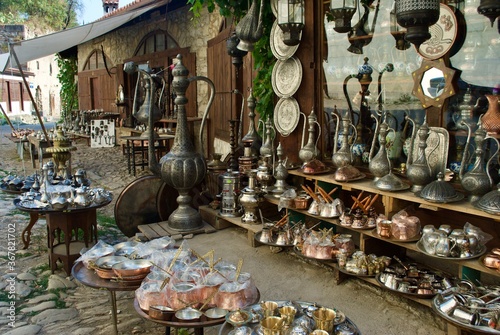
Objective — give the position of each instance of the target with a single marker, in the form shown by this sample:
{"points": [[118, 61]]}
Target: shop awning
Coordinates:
{"points": [[62, 40]]}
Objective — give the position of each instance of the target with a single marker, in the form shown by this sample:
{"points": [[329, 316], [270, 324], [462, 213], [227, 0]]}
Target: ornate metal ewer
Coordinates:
{"points": [[342, 158], [249, 29], [418, 170], [280, 174], [463, 120], [148, 108], [379, 165], [183, 167], [267, 147], [310, 150], [61, 153], [477, 182], [252, 134], [264, 174]]}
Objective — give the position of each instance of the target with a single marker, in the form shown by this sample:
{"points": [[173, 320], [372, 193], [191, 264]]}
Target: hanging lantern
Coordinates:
{"points": [[490, 9], [232, 50], [291, 20], [417, 16], [398, 32], [342, 12]]}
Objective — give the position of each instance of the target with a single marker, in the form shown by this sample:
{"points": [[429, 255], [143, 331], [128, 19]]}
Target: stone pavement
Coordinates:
{"points": [[67, 307]]}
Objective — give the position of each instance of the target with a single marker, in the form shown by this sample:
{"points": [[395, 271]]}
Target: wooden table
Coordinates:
{"points": [[138, 145], [63, 226], [89, 278], [37, 149]]}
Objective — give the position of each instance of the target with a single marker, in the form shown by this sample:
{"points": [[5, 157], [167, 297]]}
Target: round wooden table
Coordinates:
{"points": [[91, 279]]}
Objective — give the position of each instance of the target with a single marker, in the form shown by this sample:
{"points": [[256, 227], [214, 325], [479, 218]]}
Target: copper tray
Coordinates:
{"points": [[136, 205]]}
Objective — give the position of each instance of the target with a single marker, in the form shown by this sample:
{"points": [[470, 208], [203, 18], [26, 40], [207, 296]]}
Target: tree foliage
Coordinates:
{"points": [[68, 69], [41, 15], [262, 55]]}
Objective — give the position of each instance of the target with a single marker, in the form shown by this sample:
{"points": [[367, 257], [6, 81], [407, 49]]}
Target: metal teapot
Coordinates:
{"points": [[61, 197], [83, 197], [183, 166]]}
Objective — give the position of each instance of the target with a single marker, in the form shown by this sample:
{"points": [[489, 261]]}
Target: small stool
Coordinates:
{"points": [[68, 233]]}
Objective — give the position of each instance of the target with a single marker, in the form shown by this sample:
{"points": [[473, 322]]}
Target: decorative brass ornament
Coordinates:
{"points": [[434, 82]]}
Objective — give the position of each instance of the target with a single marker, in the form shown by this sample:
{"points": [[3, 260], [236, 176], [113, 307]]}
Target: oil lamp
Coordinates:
{"points": [[417, 16], [342, 12], [490, 9], [291, 20]]}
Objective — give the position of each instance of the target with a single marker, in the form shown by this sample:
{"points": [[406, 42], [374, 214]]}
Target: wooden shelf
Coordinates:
{"points": [[391, 205], [367, 185]]}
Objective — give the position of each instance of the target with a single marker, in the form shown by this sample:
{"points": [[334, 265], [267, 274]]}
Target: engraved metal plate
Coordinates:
{"points": [[286, 77], [286, 115]]}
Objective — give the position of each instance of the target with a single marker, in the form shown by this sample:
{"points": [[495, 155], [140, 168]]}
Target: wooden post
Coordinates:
{"points": [[13, 53], [7, 118]]}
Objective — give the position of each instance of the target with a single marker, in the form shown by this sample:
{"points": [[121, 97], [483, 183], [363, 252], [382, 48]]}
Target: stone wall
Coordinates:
{"points": [[120, 44]]}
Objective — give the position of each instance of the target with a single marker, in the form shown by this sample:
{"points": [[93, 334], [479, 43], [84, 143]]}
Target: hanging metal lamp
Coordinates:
{"points": [[342, 12], [417, 16], [490, 9], [291, 20]]}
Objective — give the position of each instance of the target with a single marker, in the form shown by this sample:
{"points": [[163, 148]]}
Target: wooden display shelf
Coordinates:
{"points": [[395, 201]]}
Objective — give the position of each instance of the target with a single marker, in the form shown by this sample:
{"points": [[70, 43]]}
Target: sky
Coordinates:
{"points": [[92, 10]]}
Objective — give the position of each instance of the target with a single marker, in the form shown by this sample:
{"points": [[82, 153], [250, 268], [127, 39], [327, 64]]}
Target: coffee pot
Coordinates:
{"points": [[310, 150], [82, 197]]}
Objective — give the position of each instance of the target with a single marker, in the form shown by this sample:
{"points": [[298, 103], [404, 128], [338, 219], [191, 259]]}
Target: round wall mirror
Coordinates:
{"points": [[433, 82]]}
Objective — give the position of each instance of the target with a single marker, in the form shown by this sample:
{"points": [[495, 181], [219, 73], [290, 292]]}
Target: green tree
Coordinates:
{"points": [[68, 69], [42, 15], [262, 55]]}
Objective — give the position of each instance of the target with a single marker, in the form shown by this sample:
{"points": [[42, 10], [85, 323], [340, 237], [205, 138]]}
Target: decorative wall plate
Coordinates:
{"points": [[286, 115], [286, 77], [443, 35], [279, 49]]}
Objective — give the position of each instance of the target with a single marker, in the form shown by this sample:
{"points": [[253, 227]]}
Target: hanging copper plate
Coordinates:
{"points": [[166, 200], [136, 204]]}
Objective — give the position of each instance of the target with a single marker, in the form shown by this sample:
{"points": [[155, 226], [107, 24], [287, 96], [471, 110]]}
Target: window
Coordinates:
{"points": [[155, 41], [96, 60]]}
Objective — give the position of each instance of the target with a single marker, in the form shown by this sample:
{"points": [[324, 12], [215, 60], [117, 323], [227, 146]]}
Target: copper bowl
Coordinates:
{"points": [[107, 262], [130, 268], [158, 312], [104, 273], [492, 261]]}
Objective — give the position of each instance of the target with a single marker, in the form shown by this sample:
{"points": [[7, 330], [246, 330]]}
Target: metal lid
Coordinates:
{"points": [[439, 190], [390, 182], [490, 202]]}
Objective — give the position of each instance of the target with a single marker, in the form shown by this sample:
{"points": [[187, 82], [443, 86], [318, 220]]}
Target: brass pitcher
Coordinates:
{"points": [[477, 182], [343, 156]]}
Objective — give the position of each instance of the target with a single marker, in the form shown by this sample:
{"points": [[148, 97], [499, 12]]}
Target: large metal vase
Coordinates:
{"points": [[183, 167]]}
